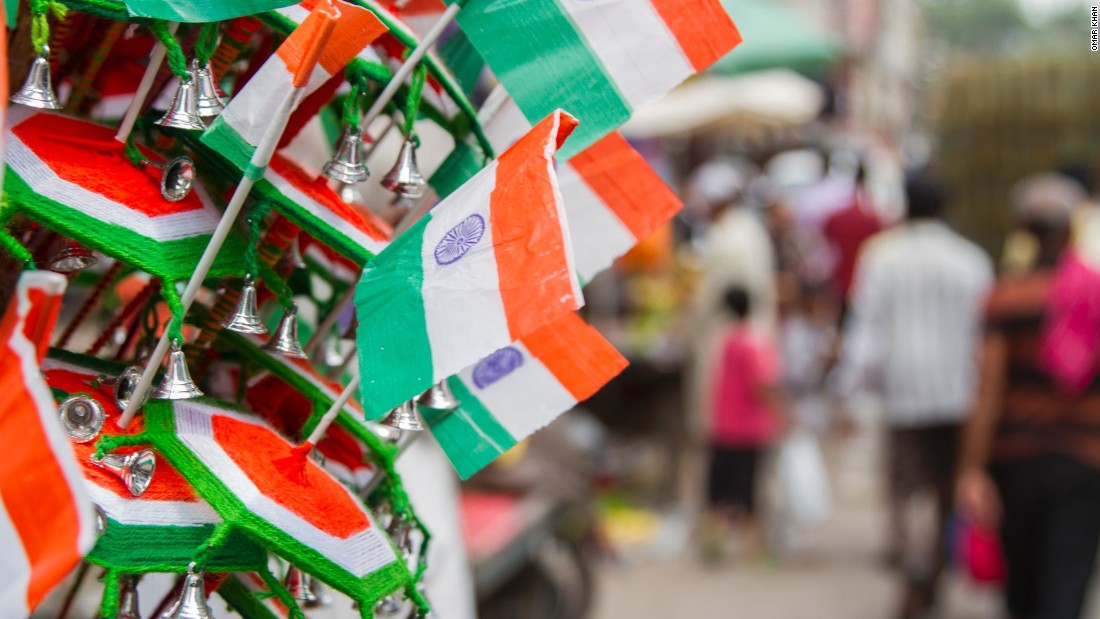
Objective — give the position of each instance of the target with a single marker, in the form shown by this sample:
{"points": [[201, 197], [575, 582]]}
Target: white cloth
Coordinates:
{"points": [[915, 322]]}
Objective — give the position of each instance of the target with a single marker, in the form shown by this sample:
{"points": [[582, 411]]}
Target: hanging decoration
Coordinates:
{"points": [[252, 344]]}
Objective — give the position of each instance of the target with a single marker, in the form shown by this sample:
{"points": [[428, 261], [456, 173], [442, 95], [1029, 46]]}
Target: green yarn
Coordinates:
{"points": [[276, 285], [353, 105], [40, 25], [241, 599], [215, 542], [175, 305], [276, 587], [412, 102], [16, 250], [160, 424], [176, 60], [144, 549], [108, 606], [207, 42], [110, 442], [107, 9]]}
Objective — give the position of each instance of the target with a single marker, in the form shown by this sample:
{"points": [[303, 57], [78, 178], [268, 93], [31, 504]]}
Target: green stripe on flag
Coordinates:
{"points": [[11, 9], [225, 140], [390, 289], [469, 435], [197, 11], [552, 68], [462, 59]]}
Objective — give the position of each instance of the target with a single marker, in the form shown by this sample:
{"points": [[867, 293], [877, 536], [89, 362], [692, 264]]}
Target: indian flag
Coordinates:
{"points": [[47, 523], [613, 198], [237, 131], [487, 266], [598, 59], [515, 391]]}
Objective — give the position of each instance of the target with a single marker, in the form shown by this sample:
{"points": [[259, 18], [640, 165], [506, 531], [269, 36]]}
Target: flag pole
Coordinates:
{"points": [[259, 161], [146, 84], [333, 411]]}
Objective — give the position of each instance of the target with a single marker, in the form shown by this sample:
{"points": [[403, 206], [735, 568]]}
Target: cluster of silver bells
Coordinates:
{"points": [[246, 319], [348, 165], [196, 98], [437, 399]]}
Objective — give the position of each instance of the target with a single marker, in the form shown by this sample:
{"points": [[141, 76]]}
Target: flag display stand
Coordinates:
{"points": [[175, 194]]}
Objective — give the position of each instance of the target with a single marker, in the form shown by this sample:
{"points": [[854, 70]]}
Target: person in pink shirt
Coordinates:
{"points": [[745, 419]]}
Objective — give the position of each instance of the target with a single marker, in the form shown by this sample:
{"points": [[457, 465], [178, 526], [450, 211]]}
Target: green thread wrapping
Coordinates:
{"points": [[353, 105], [40, 24], [16, 250], [412, 102], [176, 60], [254, 172], [277, 588], [207, 43], [160, 423], [132, 153], [175, 305], [276, 285], [110, 442], [108, 606], [241, 599], [214, 543]]}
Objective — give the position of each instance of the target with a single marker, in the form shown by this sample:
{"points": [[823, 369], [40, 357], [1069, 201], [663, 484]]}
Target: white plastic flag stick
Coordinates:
{"points": [[333, 411], [146, 84], [259, 161], [410, 63]]}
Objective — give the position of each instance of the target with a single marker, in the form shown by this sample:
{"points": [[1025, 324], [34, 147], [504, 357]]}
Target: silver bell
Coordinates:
{"points": [[184, 112], [347, 164], [125, 384], [177, 383], [404, 417], [300, 586], [37, 90], [209, 98], [135, 470], [192, 600], [128, 607], [438, 398], [285, 339], [81, 417], [176, 179], [405, 179], [71, 258], [245, 317]]}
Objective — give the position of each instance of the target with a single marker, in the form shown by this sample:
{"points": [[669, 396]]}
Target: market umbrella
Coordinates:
{"points": [[160, 529], [73, 177], [233, 461], [776, 98], [775, 36]]}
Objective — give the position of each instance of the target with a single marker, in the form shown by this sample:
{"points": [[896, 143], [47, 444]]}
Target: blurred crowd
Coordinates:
{"points": [[813, 295]]}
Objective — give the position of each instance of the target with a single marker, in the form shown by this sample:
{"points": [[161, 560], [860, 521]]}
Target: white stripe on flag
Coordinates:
{"points": [[600, 235], [360, 554], [46, 182], [636, 48], [15, 571], [465, 321], [526, 399], [53, 284]]}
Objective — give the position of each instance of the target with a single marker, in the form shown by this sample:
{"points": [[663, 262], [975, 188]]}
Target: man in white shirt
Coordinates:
{"points": [[912, 333]]}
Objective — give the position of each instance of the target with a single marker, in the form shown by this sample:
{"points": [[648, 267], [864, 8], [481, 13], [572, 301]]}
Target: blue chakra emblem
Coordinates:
{"points": [[496, 366], [459, 239]]}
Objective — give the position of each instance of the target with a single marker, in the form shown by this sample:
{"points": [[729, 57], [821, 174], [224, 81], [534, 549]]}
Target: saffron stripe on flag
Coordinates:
{"points": [[702, 27]]}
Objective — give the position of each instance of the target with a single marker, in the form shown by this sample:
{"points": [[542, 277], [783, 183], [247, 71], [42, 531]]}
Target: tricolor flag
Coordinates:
{"points": [[192, 12], [237, 131], [613, 198], [487, 266], [597, 59], [520, 388], [47, 522]]}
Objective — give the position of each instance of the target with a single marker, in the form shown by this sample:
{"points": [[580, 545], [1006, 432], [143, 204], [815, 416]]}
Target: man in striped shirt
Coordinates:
{"points": [[912, 331]]}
